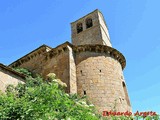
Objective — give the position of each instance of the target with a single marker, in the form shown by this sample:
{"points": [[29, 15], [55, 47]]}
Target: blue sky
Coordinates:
{"points": [[133, 27]]}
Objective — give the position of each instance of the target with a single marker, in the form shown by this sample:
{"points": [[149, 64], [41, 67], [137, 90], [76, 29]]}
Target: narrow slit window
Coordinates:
{"points": [[84, 92], [81, 71], [120, 100]]}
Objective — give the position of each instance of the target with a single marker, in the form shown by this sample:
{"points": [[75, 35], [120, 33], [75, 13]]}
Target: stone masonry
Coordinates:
{"points": [[89, 66], [9, 76]]}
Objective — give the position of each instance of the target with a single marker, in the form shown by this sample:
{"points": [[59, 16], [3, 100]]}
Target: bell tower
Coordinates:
{"points": [[90, 29], [99, 67]]}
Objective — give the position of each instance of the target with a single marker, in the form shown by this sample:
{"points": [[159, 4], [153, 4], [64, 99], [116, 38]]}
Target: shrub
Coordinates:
{"points": [[43, 100]]}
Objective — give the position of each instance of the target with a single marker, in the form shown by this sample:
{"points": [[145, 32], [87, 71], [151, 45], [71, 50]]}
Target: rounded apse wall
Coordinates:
{"points": [[100, 78]]}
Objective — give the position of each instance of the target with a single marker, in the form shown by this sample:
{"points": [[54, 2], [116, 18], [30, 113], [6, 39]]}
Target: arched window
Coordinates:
{"points": [[79, 27], [89, 23]]}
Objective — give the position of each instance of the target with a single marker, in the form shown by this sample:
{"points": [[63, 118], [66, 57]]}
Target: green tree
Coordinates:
{"points": [[43, 100]]}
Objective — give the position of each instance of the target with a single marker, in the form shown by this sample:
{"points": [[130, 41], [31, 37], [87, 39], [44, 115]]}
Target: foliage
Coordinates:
{"points": [[23, 71], [43, 100], [156, 117]]}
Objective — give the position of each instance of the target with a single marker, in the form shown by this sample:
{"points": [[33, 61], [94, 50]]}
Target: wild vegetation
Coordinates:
{"points": [[43, 100], [40, 99]]}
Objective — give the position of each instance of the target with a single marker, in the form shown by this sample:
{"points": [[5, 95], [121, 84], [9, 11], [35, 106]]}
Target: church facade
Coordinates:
{"points": [[89, 65]]}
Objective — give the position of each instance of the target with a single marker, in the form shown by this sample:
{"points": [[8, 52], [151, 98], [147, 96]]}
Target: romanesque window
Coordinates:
{"points": [[79, 27], [89, 23]]}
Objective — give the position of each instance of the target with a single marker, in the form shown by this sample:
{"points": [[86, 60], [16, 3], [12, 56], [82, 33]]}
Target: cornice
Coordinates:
{"points": [[102, 49]]}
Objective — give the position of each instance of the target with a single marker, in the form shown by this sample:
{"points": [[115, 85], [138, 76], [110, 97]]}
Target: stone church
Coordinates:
{"points": [[89, 65]]}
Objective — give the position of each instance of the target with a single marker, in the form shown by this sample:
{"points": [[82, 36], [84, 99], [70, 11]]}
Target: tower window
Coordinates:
{"points": [[89, 23], [84, 92], [79, 27]]}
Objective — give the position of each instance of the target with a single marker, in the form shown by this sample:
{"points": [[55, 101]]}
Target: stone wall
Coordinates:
{"points": [[7, 78], [104, 30], [100, 77], [58, 63], [35, 64], [33, 61], [59, 60], [72, 71]]}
